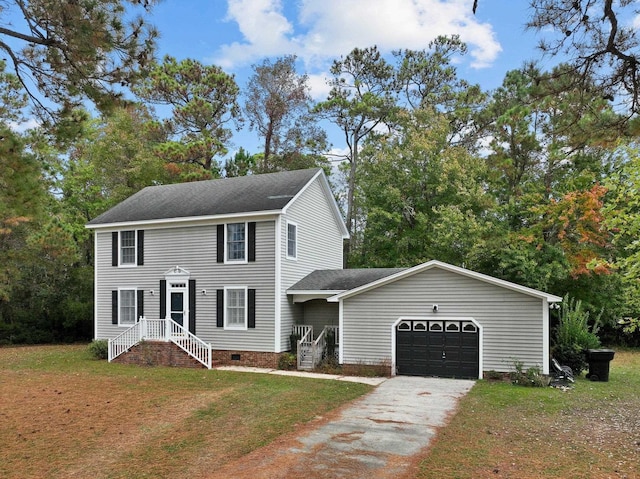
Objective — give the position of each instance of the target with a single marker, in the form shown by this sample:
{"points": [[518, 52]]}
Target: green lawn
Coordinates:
{"points": [[501, 430], [64, 414]]}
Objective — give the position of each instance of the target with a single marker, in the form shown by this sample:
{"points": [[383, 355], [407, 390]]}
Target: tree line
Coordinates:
{"points": [[535, 182]]}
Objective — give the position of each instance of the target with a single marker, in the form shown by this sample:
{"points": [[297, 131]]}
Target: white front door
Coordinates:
{"points": [[178, 299]]}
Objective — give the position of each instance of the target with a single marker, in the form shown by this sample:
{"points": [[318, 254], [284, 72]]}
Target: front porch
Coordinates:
{"points": [[163, 331]]}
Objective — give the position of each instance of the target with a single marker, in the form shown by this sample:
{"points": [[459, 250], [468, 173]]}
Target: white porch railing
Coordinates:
{"points": [[311, 352], [161, 330], [336, 340], [305, 345], [125, 341], [189, 343]]}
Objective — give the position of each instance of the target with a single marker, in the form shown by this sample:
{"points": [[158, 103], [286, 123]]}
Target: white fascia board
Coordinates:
{"points": [[455, 269], [304, 296], [332, 201], [187, 220]]}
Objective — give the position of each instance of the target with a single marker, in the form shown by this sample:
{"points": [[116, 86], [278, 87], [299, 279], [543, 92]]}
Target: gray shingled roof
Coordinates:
{"points": [[342, 279], [245, 194]]}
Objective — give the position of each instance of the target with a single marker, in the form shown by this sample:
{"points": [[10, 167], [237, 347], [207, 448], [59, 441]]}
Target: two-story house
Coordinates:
{"points": [[236, 270], [217, 257]]}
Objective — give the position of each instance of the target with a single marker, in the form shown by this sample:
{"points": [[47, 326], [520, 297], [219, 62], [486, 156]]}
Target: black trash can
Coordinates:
{"points": [[598, 360]]}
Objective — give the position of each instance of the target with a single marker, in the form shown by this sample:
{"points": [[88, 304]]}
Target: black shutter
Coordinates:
{"points": [[140, 301], [251, 308], [114, 307], [114, 248], [219, 308], [192, 306], [252, 241], [163, 298], [220, 244], [140, 247]]}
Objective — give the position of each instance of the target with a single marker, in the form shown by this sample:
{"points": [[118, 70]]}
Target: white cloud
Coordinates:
{"points": [[319, 86], [322, 30], [265, 30], [23, 126]]}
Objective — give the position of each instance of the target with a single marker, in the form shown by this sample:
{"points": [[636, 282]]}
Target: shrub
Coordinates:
{"points": [[573, 336], [288, 361], [99, 349], [532, 377], [493, 375]]}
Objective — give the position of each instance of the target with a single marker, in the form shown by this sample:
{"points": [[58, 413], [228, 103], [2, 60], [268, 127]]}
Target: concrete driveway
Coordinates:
{"points": [[377, 436]]}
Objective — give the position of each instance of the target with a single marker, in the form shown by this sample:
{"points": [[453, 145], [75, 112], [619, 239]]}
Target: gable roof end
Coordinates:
{"points": [[447, 267]]}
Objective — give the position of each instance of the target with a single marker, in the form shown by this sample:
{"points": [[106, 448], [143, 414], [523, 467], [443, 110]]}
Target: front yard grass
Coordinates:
{"points": [[506, 431], [63, 414]]}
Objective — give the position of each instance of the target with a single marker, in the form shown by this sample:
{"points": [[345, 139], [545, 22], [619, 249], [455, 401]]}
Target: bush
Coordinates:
{"points": [[288, 361], [532, 377], [99, 349], [574, 336]]}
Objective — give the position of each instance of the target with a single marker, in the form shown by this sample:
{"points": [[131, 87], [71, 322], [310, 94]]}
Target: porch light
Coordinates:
{"points": [[435, 308]]}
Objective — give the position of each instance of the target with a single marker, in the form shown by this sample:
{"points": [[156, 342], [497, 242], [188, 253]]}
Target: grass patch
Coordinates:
{"points": [[120, 421], [500, 430]]}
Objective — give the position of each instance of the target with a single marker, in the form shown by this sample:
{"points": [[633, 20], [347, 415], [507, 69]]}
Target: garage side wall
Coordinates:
{"points": [[512, 322]]}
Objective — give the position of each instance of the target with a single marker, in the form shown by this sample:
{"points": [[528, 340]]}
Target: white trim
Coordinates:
{"points": [[295, 255], [447, 267], [341, 332], [431, 318], [198, 220], [95, 287], [545, 337], [172, 276], [135, 306], [244, 260], [135, 249], [277, 320], [304, 296], [246, 309]]}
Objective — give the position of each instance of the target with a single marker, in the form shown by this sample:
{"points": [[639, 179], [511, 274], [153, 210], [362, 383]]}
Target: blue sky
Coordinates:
{"points": [[236, 34]]}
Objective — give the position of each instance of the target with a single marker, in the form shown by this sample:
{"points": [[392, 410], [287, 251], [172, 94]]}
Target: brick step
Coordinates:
{"points": [[160, 353]]}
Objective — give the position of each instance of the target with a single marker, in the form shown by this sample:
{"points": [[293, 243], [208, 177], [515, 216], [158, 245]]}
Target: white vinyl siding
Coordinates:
{"points": [[319, 246], [513, 326], [190, 248]]}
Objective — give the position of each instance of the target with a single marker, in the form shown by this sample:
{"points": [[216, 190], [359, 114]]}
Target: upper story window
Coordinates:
{"points": [[127, 247], [236, 242], [292, 240]]}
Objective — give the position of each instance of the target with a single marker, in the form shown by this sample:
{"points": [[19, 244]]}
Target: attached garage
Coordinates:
{"points": [[434, 319]]}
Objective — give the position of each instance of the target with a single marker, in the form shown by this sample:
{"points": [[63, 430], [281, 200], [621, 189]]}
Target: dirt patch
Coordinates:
{"points": [[74, 414]]}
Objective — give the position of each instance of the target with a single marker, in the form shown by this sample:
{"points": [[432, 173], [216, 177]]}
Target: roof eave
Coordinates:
{"points": [[184, 220], [448, 267], [302, 296]]}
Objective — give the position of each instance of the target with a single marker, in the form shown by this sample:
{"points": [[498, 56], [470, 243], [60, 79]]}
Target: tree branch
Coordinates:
{"points": [[27, 38]]}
